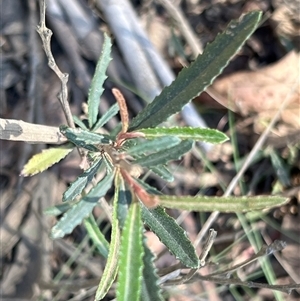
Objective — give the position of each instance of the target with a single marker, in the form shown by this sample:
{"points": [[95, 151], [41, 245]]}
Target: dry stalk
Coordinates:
{"points": [[45, 34]]}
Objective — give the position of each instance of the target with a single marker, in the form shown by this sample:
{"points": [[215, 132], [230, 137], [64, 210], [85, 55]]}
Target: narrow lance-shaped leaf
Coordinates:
{"points": [[162, 172], [79, 122], [80, 183], [169, 154], [85, 139], [58, 209], [222, 204], [187, 133], [111, 112], [199, 75], [74, 216], [150, 288], [143, 147], [111, 267], [96, 88], [96, 235], [131, 257], [46, 159], [124, 200], [171, 234]]}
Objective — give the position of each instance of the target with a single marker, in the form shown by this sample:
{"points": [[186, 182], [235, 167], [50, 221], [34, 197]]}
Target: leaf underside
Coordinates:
{"points": [[46, 159], [74, 216], [111, 267], [80, 183], [186, 133], [222, 204]]}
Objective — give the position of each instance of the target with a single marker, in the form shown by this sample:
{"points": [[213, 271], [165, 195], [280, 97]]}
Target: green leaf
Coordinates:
{"points": [[74, 216], [171, 234], [96, 235], [124, 200], [280, 168], [80, 123], [156, 145], [222, 204], [131, 257], [96, 88], [80, 183], [85, 139], [150, 288], [187, 133], [162, 172], [111, 112], [58, 209], [46, 159], [193, 80], [111, 267], [168, 154]]}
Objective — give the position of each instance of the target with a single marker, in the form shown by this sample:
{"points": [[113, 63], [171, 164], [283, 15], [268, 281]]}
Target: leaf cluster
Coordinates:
{"points": [[118, 160]]}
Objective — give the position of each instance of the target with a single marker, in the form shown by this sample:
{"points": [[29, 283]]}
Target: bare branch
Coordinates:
{"points": [[17, 130], [45, 34]]}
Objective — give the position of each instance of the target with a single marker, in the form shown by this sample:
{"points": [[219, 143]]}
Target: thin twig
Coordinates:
{"points": [[288, 288], [45, 34]]}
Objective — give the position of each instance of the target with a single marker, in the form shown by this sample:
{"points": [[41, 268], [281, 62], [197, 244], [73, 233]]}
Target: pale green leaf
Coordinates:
{"points": [[80, 183], [74, 216], [58, 209], [96, 88], [171, 235], [131, 257], [187, 133], [111, 267], [222, 204], [168, 154], [199, 75], [111, 112], [79, 122], [150, 288], [46, 159], [96, 235]]}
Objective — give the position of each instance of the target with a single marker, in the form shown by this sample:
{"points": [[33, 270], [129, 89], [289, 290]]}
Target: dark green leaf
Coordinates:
{"points": [[85, 139], [193, 80], [124, 200], [151, 146], [96, 88], [162, 157], [150, 288], [171, 234]]}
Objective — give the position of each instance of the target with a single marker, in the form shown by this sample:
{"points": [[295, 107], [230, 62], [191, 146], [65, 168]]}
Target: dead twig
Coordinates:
{"points": [[45, 34]]}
